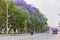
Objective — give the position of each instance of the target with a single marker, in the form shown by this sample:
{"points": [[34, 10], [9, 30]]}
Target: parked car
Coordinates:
{"points": [[54, 30]]}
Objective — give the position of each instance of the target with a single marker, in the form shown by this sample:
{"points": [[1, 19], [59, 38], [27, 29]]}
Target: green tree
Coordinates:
{"points": [[16, 17], [3, 13]]}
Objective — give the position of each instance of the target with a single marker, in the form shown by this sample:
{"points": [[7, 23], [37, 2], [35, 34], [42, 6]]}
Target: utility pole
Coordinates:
{"points": [[6, 16]]}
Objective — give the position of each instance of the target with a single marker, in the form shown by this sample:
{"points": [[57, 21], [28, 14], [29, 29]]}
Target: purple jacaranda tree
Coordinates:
{"points": [[36, 16], [19, 2], [22, 4], [32, 10]]}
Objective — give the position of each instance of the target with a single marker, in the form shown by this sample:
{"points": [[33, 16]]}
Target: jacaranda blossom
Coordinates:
{"points": [[22, 4]]}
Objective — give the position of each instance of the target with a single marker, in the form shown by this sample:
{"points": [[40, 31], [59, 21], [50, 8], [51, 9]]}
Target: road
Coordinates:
{"points": [[39, 36]]}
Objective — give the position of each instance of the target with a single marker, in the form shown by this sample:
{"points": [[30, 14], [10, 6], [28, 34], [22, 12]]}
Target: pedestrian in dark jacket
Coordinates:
{"points": [[31, 31]]}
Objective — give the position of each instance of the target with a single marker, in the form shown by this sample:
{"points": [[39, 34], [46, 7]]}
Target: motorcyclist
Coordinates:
{"points": [[31, 31]]}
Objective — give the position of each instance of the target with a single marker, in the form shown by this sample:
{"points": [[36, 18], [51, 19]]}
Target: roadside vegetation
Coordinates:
{"points": [[22, 17]]}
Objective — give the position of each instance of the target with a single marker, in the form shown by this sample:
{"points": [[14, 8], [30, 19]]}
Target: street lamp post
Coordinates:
{"points": [[7, 16]]}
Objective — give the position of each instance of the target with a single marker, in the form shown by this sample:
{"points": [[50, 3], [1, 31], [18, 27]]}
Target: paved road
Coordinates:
{"points": [[41, 36]]}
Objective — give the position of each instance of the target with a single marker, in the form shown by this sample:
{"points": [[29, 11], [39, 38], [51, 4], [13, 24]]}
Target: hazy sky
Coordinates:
{"points": [[50, 8]]}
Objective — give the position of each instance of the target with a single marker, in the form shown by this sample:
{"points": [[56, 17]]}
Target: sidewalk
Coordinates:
{"points": [[16, 36], [26, 34]]}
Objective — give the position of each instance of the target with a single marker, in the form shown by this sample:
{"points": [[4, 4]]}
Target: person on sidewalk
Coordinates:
{"points": [[31, 31]]}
